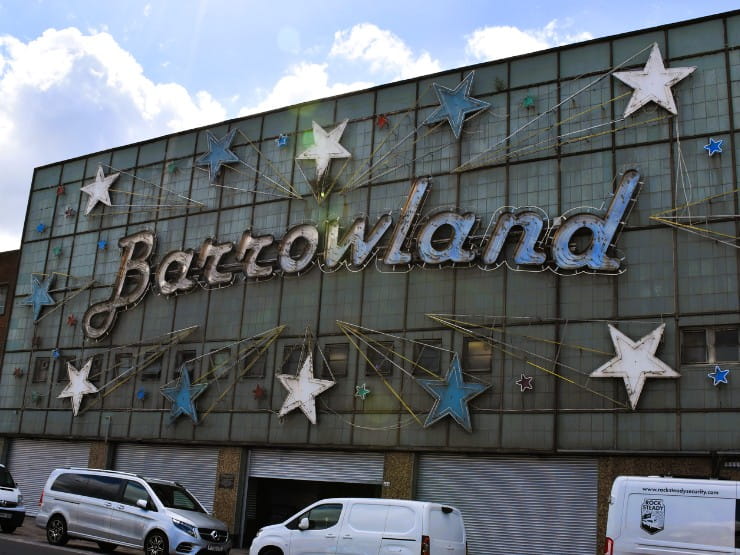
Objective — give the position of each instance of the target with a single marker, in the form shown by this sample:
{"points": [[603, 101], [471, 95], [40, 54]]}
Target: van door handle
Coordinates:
{"points": [[347, 537], [330, 536], [109, 505], [120, 507]]}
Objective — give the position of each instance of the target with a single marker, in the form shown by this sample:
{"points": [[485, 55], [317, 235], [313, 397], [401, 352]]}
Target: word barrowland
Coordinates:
{"points": [[440, 238]]}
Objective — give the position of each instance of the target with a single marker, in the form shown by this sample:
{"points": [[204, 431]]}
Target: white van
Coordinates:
{"points": [[364, 526], [12, 510], [662, 516]]}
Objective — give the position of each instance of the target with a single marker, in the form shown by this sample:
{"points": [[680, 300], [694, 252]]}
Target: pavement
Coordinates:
{"points": [[30, 533]]}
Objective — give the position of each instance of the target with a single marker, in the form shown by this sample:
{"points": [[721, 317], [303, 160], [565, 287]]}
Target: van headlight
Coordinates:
{"points": [[20, 499], [185, 527]]}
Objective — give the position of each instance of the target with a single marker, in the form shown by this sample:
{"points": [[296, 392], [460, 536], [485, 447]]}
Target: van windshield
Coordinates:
{"points": [[176, 497], [6, 480]]}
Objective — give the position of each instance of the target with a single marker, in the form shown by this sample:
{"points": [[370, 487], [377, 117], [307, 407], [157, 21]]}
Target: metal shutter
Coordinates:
{"points": [[193, 467], [319, 466], [516, 506], [30, 461]]}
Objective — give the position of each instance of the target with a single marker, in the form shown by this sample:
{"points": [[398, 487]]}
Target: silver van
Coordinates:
{"points": [[119, 508], [12, 510]]}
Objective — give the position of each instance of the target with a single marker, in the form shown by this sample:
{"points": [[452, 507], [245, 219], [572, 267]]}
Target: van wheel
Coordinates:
{"points": [[106, 547], [156, 544], [8, 528], [271, 551], [56, 531]]}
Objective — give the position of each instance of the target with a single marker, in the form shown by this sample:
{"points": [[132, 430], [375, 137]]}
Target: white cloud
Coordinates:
{"points": [[493, 43], [385, 52], [66, 93]]}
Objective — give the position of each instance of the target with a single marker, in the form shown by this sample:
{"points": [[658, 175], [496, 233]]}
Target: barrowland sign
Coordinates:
{"points": [[440, 238]]}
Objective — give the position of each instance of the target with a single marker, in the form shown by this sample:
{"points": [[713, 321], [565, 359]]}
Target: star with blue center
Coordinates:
{"points": [[218, 154], [40, 296], [718, 376], [456, 104], [452, 395], [183, 396], [714, 147]]}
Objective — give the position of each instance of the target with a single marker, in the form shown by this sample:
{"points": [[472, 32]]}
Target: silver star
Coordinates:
{"points": [[98, 189], [635, 362], [78, 385], [303, 390], [653, 83], [326, 146]]}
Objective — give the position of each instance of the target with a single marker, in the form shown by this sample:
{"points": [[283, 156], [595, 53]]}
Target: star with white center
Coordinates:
{"points": [[635, 362], [78, 385], [653, 83], [326, 146], [456, 104], [303, 390], [98, 189]]}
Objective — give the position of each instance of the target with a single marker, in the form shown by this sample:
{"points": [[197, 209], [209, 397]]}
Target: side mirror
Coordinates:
{"points": [[303, 524], [142, 504]]}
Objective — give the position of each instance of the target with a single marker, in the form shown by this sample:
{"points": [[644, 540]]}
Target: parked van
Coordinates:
{"points": [[118, 508], [12, 509], [362, 526], [658, 516]]}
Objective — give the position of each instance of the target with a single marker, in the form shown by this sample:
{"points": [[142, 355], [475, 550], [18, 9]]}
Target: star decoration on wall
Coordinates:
{"points": [[183, 396], [718, 376], [78, 385], [456, 104], [525, 382], [326, 147], [41, 228], [60, 190], [218, 154], [259, 392], [71, 320], [102, 244], [69, 212], [303, 390], [98, 189], [714, 147], [451, 396], [56, 353], [282, 140], [57, 251], [381, 121], [40, 296], [653, 83], [635, 362], [361, 391]]}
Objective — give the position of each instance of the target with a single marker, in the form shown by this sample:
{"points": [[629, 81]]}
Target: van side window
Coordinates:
{"points": [[107, 488], [133, 491], [320, 517], [69, 483]]}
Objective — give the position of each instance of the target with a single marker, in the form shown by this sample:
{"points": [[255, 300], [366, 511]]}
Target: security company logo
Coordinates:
{"points": [[652, 515]]}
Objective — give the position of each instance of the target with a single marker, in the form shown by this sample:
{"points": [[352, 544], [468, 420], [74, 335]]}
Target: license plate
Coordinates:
{"points": [[216, 547], [5, 515]]}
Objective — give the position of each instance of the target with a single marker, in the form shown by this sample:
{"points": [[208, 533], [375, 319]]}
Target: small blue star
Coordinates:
{"points": [[40, 296], [282, 140], [102, 244], [183, 395], [41, 228], [719, 376], [714, 146], [56, 353], [456, 104], [452, 395], [218, 153]]}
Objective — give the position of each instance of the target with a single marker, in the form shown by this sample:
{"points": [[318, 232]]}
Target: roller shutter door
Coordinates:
{"points": [[318, 466], [193, 467], [30, 461], [516, 506]]}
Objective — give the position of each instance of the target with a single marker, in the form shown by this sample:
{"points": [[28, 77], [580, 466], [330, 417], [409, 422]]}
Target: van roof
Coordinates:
{"points": [[120, 472], [379, 501]]}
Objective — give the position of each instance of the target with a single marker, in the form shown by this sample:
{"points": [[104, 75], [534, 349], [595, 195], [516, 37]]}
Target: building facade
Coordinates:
{"points": [[496, 287]]}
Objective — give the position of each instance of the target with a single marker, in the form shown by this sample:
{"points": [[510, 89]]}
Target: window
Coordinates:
{"points": [[153, 369], [184, 358], [337, 356], [133, 491], [380, 359], [220, 363], [477, 355], [320, 517], [291, 359], [254, 364], [41, 369], [710, 345], [427, 356], [104, 487], [124, 365], [62, 373], [3, 297]]}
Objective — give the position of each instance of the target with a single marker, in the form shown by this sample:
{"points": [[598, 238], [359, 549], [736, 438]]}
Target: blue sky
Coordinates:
{"points": [[82, 76]]}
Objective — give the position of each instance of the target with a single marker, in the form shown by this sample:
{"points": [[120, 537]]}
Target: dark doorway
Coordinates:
{"points": [[270, 501]]}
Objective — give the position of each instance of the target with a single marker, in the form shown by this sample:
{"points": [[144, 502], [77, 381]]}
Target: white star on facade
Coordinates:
{"points": [[98, 189], [303, 390], [78, 385], [326, 146], [653, 83], [635, 362]]}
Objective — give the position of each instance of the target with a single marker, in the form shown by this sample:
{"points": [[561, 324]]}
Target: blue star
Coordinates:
{"points": [[719, 376], [40, 296], [41, 228], [282, 140], [714, 146], [102, 244], [183, 395], [456, 104], [218, 154], [452, 395]]}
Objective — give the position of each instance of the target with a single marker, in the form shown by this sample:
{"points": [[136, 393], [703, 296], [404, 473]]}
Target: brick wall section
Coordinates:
{"points": [[225, 506], [399, 475], [9, 261]]}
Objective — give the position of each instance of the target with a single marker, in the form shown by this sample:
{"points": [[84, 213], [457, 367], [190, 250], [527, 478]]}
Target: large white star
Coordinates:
{"points": [[303, 390], [78, 385], [653, 83], [326, 146], [98, 189], [635, 362]]}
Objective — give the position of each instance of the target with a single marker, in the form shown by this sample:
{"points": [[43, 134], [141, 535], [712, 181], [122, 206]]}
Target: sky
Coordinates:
{"points": [[80, 76]]}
